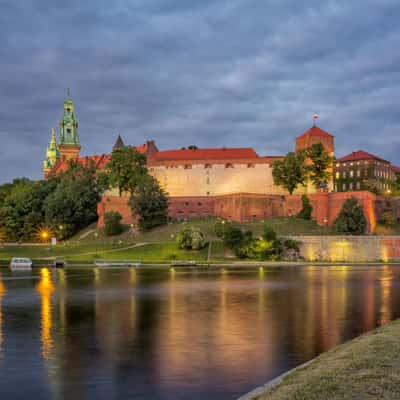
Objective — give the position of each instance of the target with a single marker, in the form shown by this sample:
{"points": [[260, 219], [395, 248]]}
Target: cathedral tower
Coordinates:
{"points": [[52, 155], [69, 145]]}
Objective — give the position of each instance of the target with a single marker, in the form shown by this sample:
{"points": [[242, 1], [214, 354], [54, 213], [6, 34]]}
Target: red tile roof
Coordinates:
{"points": [[100, 161], [205, 154], [315, 131], [395, 168], [359, 155]]}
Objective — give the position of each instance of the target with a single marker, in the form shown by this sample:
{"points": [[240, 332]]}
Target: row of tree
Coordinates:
{"points": [[67, 202]]}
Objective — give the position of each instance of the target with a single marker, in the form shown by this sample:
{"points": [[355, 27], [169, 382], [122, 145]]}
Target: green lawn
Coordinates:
{"points": [[150, 252], [286, 226], [365, 368], [159, 243]]}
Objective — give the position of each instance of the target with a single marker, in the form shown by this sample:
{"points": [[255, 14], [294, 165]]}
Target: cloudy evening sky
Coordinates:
{"points": [[205, 72]]}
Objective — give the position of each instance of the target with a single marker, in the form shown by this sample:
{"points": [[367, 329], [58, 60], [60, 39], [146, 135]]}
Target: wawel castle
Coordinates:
{"points": [[232, 183]]}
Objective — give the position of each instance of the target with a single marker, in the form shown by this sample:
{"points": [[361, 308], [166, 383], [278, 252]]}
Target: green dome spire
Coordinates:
{"points": [[52, 153], [69, 124]]}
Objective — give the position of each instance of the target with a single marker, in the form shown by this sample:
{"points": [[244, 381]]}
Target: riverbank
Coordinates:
{"points": [[367, 367]]}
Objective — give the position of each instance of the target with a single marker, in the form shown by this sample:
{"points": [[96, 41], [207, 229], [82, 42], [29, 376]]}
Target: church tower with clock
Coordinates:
{"points": [[69, 145]]}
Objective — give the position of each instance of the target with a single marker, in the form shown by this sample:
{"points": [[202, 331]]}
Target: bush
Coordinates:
{"points": [[191, 238], [306, 211], [112, 223], [269, 234], [351, 219]]}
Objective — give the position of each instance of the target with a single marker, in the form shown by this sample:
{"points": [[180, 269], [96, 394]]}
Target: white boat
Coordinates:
{"points": [[21, 264], [189, 263], [117, 264]]}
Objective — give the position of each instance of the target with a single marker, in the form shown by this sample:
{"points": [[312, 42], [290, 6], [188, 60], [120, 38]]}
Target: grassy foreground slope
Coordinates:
{"points": [[367, 367]]}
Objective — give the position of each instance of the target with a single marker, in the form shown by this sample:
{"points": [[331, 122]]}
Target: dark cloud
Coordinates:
{"points": [[213, 73]]}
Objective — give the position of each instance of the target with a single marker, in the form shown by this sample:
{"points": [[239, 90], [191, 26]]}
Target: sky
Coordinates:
{"points": [[240, 73]]}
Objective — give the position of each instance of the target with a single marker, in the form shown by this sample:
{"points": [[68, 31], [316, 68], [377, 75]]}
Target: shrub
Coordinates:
{"points": [[191, 238], [306, 211], [269, 234], [351, 219], [112, 223]]}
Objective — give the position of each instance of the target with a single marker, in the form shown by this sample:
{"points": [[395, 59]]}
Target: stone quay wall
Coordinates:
{"points": [[349, 248]]}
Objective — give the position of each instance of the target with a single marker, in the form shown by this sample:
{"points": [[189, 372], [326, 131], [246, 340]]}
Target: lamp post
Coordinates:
{"points": [[95, 235]]}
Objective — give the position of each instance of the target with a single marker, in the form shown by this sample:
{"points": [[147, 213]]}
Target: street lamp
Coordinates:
{"points": [[95, 235]]}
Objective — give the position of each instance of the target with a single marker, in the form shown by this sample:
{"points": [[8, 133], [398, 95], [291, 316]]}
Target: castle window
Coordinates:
{"points": [[344, 186], [335, 188], [188, 166], [358, 185], [68, 130], [250, 165], [186, 204], [199, 204], [68, 109], [208, 181], [344, 175], [337, 165], [337, 175], [208, 193], [228, 165], [358, 173], [207, 166], [351, 186], [351, 174]]}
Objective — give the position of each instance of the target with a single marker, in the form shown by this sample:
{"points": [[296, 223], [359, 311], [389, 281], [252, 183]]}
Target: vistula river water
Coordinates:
{"points": [[175, 334]]}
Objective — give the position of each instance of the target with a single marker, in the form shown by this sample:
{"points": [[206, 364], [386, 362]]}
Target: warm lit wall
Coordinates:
{"points": [[350, 248], [218, 179]]}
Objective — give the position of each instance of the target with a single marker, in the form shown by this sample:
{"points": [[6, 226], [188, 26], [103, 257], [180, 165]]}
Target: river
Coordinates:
{"points": [[176, 334]]}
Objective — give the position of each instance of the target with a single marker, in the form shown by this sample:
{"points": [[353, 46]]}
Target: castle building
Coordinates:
{"points": [[68, 147], [232, 183], [363, 171]]}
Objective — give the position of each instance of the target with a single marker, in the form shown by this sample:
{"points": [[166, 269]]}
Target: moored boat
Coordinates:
{"points": [[21, 264], [177, 263], [117, 264]]}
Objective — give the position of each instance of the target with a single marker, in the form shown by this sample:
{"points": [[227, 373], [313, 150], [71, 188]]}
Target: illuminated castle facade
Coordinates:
{"points": [[232, 183]]}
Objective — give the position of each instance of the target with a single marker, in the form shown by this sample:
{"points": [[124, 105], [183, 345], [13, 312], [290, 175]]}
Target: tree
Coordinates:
{"points": [[318, 169], [191, 238], [306, 210], [73, 202], [21, 210], [290, 172], [112, 223], [126, 169], [351, 219], [149, 203]]}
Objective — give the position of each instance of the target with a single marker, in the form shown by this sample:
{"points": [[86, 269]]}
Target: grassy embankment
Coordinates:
{"points": [[367, 367], [157, 245]]}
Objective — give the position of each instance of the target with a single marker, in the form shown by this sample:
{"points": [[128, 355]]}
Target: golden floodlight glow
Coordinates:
{"points": [[44, 233]]}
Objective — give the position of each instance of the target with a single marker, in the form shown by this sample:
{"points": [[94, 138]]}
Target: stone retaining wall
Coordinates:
{"points": [[350, 248]]}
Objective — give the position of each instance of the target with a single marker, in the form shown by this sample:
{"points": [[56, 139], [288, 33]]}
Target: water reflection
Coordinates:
{"points": [[182, 334], [2, 293], [45, 288]]}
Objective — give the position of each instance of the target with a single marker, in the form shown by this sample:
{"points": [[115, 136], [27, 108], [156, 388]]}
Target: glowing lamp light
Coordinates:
{"points": [[44, 233]]}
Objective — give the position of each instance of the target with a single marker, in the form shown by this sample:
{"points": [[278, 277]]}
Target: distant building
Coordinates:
{"points": [[363, 171]]}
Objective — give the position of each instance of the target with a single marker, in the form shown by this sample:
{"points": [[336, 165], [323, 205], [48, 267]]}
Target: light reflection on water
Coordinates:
{"points": [[177, 335]]}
